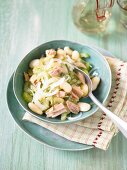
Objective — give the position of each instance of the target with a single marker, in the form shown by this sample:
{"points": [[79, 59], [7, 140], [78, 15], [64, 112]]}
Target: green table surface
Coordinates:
{"points": [[24, 24]]}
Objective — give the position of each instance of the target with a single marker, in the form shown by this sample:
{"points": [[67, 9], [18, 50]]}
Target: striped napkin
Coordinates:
{"points": [[98, 129]]}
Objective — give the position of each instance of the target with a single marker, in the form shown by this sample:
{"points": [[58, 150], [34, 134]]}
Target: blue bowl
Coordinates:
{"points": [[96, 59]]}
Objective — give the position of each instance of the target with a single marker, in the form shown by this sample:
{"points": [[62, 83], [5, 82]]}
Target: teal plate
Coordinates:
{"points": [[39, 133]]}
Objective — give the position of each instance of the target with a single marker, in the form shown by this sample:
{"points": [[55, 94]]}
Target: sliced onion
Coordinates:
{"points": [[58, 83], [69, 59], [49, 64], [51, 94], [70, 66], [58, 60]]}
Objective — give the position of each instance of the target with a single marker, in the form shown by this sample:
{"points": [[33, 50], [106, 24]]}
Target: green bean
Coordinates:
{"points": [[64, 116], [78, 82], [85, 55], [27, 87], [57, 100], [30, 72], [27, 97], [88, 66], [86, 71]]}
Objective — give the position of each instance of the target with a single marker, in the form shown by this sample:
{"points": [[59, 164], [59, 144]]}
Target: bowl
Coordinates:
{"points": [[96, 59]]}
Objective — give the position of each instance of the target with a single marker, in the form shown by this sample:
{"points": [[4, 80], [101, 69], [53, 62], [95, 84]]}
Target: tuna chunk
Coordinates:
{"points": [[57, 70], [56, 110], [81, 77], [74, 96], [61, 94], [72, 107], [77, 91]]}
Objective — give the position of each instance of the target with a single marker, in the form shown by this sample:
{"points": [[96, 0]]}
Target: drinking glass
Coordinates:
{"points": [[92, 15], [123, 12]]}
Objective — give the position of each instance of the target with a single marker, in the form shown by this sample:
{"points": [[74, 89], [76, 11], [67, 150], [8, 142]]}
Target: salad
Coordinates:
{"points": [[53, 88]]}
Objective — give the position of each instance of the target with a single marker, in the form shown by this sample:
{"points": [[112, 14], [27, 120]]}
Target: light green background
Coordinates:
{"points": [[24, 24]]}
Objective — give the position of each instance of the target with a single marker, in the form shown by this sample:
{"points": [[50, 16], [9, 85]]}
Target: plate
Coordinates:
{"points": [[39, 133]]}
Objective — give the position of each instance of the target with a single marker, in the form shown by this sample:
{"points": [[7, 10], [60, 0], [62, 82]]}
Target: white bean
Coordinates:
{"points": [[50, 53], [84, 107], [66, 87], [95, 82], [34, 63], [61, 52], [68, 51], [85, 89], [35, 108], [75, 55]]}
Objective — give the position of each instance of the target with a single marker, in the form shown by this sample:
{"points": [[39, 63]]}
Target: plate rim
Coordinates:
{"points": [[41, 142]]}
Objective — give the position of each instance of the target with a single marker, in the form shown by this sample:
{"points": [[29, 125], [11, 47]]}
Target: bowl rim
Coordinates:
{"points": [[69, 121]]}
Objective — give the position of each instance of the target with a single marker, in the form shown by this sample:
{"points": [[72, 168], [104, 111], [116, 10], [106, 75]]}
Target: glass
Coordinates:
{"points": [[123, 12], [92, 15]]}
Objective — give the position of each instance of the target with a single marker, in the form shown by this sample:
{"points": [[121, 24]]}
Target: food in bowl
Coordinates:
{"points": [[53, 87]]}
